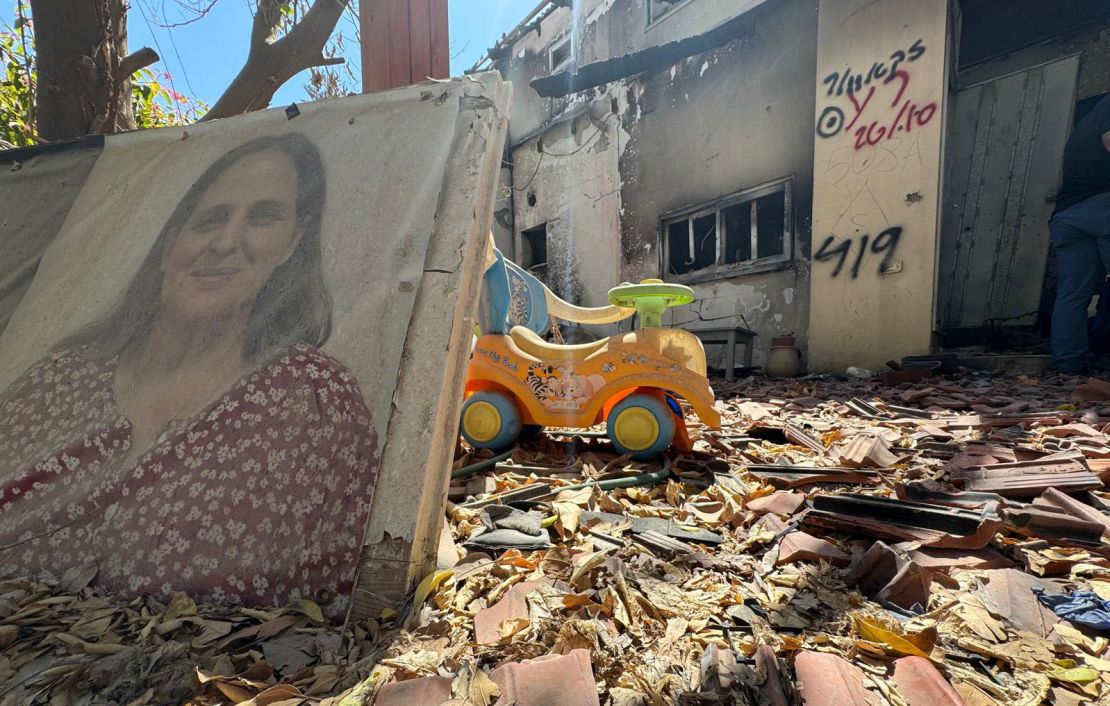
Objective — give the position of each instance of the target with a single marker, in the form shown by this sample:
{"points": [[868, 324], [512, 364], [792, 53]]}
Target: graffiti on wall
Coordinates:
{"points": [[885, 244], [875, 106]]}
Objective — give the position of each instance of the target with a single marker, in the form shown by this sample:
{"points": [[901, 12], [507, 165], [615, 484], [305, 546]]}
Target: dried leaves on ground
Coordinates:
{"points": [[837, 541]]}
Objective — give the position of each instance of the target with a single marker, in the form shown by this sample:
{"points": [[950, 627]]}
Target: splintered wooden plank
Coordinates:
{"points": [[402, 535]]}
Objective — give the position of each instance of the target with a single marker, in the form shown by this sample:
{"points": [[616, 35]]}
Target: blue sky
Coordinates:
{"points": [[204, 56]]}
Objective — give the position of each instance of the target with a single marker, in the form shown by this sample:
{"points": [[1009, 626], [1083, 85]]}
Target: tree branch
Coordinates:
{"points": [[134, 61], [266, 22], [272, 63]]}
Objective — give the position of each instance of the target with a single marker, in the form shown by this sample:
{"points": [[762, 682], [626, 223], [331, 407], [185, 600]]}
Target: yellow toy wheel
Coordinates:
{"points": [[490, 420], [641, 425]]}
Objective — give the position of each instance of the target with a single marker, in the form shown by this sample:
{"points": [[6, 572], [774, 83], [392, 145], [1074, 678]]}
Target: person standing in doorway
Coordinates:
{"points": [[1080, 228]]}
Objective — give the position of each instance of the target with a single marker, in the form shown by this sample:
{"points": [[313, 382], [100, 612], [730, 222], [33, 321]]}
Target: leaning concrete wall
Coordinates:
{"points": [[714, 124]]}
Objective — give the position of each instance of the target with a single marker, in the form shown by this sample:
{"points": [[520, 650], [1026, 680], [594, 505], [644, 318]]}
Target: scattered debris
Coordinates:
{"points": [[837, 542]]}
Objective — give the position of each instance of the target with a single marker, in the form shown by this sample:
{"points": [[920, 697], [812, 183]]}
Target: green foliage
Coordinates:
{"points": [[17, 82], [158, 105], [153, 99]]}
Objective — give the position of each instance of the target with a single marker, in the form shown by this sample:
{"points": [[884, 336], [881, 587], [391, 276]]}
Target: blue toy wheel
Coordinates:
{"points": [[490, 420], [641, 425]]}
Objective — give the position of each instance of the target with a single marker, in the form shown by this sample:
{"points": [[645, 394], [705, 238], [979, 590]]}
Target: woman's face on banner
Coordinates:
{"points": [[242, 228]]}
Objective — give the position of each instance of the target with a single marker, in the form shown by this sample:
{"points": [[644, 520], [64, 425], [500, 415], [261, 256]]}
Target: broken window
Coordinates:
{"points": [[746, 231], [658, 9], [534, 244], [559, 55]]}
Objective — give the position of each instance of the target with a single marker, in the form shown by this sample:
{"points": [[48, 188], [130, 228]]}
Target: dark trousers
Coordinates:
{"points": [[1081, 239]]}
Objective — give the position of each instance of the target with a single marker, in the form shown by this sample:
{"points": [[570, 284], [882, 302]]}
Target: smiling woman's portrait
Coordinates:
{"points": [[198, 421]]}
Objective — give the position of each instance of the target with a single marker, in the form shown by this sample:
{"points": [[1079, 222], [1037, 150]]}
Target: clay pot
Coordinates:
{"points": [[785, 360]]}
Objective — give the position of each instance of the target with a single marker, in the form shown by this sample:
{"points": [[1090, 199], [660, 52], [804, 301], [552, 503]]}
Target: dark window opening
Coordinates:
{"points": [[560, 54], [534, 242], [678, 247], [749, 229], [770, 216], [738, 232]]}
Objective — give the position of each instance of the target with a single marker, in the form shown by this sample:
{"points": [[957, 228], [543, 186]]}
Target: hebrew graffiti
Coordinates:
{"points": [[879, 104]]}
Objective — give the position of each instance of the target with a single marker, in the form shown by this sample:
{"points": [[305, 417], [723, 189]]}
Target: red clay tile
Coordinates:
{"points": [[779, 503], [886, 574], [944, 560], [827, 680], [1008, 594], [799, 546], [554, 680], [1055, 499], [865, 450], [512, 606], [767, 664], [920, 684], [1094, 390], [426, 691]]}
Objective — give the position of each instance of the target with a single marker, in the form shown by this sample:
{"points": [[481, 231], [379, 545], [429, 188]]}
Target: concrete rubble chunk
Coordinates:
{"points": [[799, 546], [426, 691], [920, 684], [553, 680], [828, 680]]}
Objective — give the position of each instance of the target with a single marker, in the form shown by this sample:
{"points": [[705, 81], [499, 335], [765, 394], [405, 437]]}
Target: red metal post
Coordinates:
{"points": [[403, 42]]}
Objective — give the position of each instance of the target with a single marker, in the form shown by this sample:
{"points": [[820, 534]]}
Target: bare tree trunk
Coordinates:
{"points": [[270, 63], [84, 69]]}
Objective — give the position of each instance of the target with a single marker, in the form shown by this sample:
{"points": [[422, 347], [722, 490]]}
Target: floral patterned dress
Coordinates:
{"points": [[261, 498]]}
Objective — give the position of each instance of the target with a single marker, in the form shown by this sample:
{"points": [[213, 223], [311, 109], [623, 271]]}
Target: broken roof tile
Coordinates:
{"points": [[552, 680], [920, 684], [902, 520], [945, 560], [828, 680], [512, 606], [799, 546], [1054, 498], [425, 691], [867, 451], [779, 503], [888, 575], [767, 664], [1008, 595]]}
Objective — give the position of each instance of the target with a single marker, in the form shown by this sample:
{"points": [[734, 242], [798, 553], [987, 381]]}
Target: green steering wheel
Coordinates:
{"points": [[650, 298]]}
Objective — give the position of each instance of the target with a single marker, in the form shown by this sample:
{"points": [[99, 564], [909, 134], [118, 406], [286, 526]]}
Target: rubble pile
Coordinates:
{"points": [[836, 542]]}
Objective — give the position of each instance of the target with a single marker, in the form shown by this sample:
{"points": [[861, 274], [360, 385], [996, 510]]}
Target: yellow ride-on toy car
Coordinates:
{"points": [[518, 382]]}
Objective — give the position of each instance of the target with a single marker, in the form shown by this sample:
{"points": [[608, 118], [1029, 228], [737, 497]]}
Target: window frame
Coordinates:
{"points": [[555, 46], [720, 269], [650, 23]]}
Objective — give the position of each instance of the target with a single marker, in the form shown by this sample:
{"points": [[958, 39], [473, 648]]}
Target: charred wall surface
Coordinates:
{"points": [[718, 123]]}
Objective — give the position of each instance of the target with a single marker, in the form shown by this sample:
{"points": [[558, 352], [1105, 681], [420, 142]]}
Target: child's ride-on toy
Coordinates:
{"points": [[518, 382]]}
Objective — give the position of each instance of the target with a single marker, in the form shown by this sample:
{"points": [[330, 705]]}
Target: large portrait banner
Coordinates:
{"points": [[197, 386]]}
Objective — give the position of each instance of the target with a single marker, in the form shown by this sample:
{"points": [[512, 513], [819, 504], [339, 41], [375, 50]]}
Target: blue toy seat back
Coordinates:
{"points": [[512, 297]]}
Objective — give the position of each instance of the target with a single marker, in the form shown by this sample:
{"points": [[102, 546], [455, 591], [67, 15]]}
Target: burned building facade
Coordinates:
{"points": [[871, 176]]}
